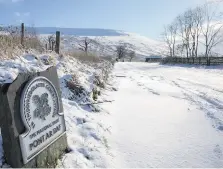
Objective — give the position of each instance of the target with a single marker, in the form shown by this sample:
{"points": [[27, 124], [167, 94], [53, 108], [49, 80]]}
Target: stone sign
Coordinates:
{"points": [[41, 117], [32, 120]]}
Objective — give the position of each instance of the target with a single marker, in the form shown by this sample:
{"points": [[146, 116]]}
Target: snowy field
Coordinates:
{"points": [[166, 116]]}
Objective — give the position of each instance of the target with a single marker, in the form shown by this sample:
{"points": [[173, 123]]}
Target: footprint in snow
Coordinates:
{"points": [[80, 121], [139, 84], [153, 92]]}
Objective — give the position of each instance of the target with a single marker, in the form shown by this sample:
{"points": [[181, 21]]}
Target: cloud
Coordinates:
{"points": [[214, 0], [10, 1], [15, 1], [17, 14], [201, 2], [25, 14]]}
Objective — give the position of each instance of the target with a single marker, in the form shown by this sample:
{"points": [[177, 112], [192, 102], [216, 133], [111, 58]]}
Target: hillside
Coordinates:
{"points": [[79, 31], [104, 41]]}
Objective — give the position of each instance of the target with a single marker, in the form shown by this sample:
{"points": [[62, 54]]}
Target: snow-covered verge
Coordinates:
{"points": [[166, 116], [87, 138], [80, 86]]}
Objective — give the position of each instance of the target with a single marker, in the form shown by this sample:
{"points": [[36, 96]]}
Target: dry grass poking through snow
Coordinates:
{"points": [[85, 57], [10, 42]]}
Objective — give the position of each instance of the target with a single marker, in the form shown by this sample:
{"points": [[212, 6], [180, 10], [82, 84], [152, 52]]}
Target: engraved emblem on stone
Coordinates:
{"points": [[42, 107]]}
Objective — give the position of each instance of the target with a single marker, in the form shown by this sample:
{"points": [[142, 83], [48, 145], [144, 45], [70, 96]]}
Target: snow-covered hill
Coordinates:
{"points": [[78, 31], [104, 41]]}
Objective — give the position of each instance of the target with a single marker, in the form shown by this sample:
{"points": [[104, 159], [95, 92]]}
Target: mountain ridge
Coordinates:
{"points": [[79, 31]]}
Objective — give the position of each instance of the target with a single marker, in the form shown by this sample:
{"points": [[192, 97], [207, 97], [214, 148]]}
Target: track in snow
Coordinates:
{"points": [[167, 116]]}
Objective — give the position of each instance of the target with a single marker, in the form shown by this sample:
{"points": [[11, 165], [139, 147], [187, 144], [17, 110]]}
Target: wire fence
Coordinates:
{"points": [[195, 60]]}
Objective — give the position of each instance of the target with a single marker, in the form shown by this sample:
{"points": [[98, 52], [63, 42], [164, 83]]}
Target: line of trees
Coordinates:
{"points": [[198, 26]]}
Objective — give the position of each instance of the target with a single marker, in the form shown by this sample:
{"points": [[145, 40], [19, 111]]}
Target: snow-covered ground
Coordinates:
{"points": [[166, 116], [150, 115]]}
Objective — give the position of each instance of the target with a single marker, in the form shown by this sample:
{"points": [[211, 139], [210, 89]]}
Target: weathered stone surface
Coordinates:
{"points": [[48, 158], [12, 125]]}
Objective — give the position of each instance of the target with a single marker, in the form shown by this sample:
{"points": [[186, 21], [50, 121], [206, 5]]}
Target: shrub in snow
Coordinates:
{"points": [[74, 86], [99, 81]]}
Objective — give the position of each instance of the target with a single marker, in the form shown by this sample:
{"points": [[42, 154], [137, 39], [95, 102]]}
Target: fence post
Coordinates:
{"points": [[53, 42], [57, 48], [22, 34]]}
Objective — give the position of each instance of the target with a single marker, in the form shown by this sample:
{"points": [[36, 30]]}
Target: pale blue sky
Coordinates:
{"points": [[145, 17]]}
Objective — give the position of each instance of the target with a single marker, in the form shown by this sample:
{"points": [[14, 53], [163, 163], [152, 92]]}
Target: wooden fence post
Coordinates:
{"points": [[57, 48], [53, 43], [22, 34]]}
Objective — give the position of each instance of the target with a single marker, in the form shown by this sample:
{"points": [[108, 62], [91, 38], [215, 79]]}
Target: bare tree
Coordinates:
{"points": [[121, 51], [167, 40], [51, 42], [84, 44], [191, 24], [211, 29], [169, 35], [191, 21], [132, 55], [198, 19], [184, 29], [188, 23], [188, 30], [192, 32], [173, 30], [180, 49]]}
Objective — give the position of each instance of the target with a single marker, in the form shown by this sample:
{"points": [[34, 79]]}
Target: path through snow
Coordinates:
{"points": [[166, 116]]}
